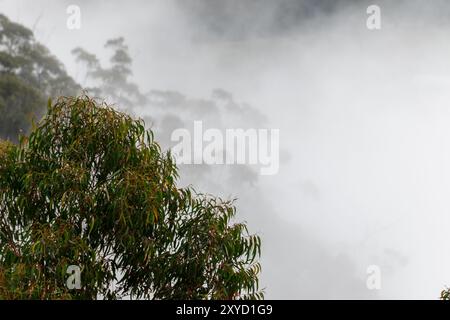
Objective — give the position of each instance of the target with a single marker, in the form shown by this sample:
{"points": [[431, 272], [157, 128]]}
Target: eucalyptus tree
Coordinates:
{"points": [[89, 187], [113, 81]]}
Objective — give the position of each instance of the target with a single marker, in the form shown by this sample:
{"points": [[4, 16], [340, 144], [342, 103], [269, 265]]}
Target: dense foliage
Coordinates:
{"points": [[29, 74], [90, 187]]}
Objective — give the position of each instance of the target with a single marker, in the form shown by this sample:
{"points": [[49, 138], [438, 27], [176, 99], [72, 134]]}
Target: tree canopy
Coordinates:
{"points": [[91, 188], [111, 81], [29, 74]]}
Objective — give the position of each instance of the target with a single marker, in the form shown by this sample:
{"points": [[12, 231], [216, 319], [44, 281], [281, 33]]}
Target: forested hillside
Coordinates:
{"points": [[29, 75]]}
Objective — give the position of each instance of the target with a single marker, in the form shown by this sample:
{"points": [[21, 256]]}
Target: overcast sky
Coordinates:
{"points": [[363, 116]]}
